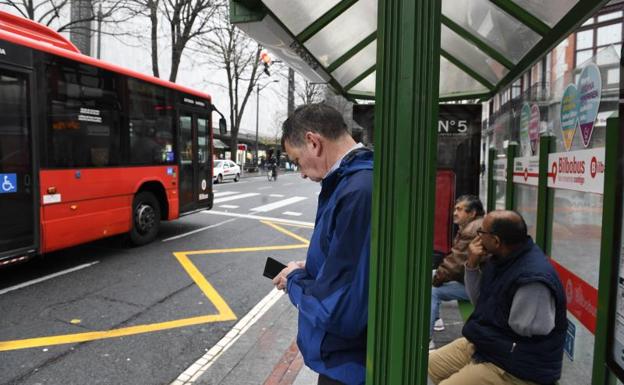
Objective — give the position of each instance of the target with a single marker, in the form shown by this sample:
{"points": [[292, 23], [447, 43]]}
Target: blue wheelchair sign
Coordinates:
{"points": [[8, 183]]}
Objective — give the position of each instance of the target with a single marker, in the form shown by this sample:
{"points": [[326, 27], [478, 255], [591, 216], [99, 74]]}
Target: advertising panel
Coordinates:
{"points": [[500, 170], [526, 170], [577, 170]]}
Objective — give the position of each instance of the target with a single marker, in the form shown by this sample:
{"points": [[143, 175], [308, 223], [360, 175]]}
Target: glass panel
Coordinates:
{"points": [[365, 86], [298, 15], [610, 16], [187, 176], [583, 56], [348, 29], [550, 12], [16, 192], [359, 63], [454, 81], [500, 192], [589, 21], [609, 34], [577, 220], [472, 56], [526, 205], [585, 39], [503, 32]]}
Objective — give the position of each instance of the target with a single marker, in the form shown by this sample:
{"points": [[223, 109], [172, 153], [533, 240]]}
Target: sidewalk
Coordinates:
{"points": [[261, 348]]}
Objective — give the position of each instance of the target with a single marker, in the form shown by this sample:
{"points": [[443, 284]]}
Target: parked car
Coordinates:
{"points": [[224, 170]]}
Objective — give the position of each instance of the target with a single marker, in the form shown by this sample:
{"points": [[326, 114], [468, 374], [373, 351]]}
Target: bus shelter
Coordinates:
{"points": [[408, 56]]}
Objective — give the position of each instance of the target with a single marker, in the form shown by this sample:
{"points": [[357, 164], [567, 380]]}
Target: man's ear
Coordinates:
{"points": [[314, 142]]}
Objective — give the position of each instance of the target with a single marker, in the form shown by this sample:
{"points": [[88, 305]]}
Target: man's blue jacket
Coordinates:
{"points": [[331, 293]]}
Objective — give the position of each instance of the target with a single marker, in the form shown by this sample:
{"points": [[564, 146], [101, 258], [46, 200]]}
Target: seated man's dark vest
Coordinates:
{"points": [[536, 358]]}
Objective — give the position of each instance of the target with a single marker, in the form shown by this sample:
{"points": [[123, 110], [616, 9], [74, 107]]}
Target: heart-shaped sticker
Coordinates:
{"points": [[590, 90], [569, 115], [534, 125], [525, 118]]}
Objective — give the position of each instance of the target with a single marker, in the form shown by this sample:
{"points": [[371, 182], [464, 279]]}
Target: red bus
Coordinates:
{"points": [[89, 149]]}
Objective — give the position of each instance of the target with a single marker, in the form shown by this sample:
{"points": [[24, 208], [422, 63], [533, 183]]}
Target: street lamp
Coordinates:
{"points": [[258, 89]]}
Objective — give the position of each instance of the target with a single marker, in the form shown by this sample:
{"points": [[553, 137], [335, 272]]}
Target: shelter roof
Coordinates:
{"points": [[484, 44]]}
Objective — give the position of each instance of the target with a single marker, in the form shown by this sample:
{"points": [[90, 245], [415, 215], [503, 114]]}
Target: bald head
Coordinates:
{"points": [[508, 225]]}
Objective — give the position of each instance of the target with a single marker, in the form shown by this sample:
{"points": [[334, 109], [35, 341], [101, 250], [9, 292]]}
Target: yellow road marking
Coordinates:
{"points": [[98, 335], [205, 286], [284, 231], [224, 311], [245, 249]]}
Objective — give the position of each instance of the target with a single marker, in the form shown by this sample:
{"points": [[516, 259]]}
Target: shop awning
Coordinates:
{"points": [[216, 143], [485, 44]]}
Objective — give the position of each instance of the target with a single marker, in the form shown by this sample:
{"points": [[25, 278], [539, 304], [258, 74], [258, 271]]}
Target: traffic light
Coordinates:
{"points": [[266, 60]]}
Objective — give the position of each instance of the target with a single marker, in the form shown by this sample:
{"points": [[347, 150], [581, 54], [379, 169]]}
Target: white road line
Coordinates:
{"points": [[34, 281], [278, 204], [224, 193], [265, 187], [234, 197], [193, 372], [260, 218], [229, 206], [197, 230], [288, 184], [292, 213], [276, 195]]}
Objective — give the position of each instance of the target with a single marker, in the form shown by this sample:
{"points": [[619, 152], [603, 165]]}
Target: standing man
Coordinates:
{"points": [[517, 331], [448, 280], [330, 289]]}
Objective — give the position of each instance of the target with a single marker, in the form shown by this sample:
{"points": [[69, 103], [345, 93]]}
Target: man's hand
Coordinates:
{"points": [[280, 281], [440, 276], [476, 253]]}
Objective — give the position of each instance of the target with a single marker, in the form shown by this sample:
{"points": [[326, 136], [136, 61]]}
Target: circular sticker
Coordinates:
{"points": [[203, 184]]}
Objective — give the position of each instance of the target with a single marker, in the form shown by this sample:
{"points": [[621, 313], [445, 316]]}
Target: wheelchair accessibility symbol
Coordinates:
{"points": [[8, 183]]}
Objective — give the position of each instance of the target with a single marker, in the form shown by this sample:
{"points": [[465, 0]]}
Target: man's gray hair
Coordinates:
{"points": [[319, 118]]}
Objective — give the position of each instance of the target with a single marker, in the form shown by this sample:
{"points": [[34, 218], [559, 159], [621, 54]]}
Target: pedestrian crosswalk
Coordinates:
{"points": [[278, 204], [242, 202], [235, 197]]}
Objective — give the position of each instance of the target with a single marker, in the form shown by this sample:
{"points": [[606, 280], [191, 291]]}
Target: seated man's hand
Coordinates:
{"points": [[440, 276]]}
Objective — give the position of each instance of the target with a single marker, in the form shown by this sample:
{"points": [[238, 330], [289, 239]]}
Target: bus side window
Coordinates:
{"points": [[83, 115]]}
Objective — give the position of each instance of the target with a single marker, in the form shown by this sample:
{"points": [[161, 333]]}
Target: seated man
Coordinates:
{"points": [[517, 331], [448, 280]]}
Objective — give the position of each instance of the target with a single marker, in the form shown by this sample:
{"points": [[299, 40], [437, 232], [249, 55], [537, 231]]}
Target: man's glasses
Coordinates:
{"points": [[480, 231]]}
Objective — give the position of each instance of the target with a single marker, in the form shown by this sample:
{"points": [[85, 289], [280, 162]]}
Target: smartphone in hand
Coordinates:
{"points": [[272, 268]]}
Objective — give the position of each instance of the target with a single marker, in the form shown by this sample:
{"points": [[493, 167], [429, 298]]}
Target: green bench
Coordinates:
{"points": [[465, 309]]}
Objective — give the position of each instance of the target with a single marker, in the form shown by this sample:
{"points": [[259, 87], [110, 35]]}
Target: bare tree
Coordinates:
{"points": [[150, 10], [185, 20], [230, 50], [309, 92], [55, 13]]}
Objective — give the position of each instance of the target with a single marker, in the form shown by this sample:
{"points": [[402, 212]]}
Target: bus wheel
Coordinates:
{"points": [[237, 178], [145, 218], [220, 178]]}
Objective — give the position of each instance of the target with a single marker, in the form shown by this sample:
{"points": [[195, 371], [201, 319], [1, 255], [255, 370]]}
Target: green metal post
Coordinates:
{"points": [[546, 146], [408, 54], [611, 212], [512, 150], [491, 189]]}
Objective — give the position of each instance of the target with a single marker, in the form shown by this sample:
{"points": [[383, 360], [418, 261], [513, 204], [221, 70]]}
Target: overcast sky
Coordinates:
{"points": [[134, 54]]}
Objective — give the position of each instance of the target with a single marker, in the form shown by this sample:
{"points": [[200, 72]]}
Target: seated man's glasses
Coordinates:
{"points": [[480, 231]]}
